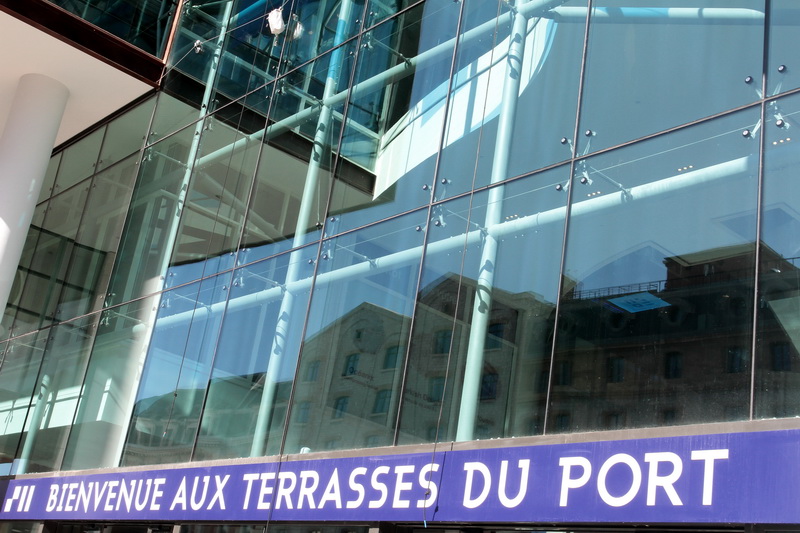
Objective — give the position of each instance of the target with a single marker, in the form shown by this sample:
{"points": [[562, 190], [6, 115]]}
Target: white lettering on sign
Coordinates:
{"points": [[471, 502], [576, 472]]}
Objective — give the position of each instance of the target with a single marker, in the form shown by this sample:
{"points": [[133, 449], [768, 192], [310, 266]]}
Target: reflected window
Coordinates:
{"points": [[735, 361], [382, 400], [615, 420], [351, 365], [390, 358], [436, 389], [563, 373], [615, 370], [562, 422], [489, 383], [781, 356], [494, 336], [312, 371], [673, 365], [441, 341], [340, 406], [303, 412]]}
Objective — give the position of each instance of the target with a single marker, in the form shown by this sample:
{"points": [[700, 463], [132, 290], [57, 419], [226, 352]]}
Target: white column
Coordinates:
{"points": [[25, 148]]}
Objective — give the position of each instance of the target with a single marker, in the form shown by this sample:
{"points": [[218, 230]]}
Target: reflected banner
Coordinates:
{"points": [[727, 478]]}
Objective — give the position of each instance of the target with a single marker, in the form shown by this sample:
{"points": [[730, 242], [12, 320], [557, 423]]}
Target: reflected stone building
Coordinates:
{"points": [[387, 265]]}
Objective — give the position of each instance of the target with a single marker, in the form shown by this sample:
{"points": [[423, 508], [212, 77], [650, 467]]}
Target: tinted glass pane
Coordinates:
{"points": [[166, 414], [22, 358], [47, 271], [92, 255], [362, 304], [256, 358], [14, 307], [214, 208], [152, 220], [649, 85], [480, 322], [395, 116], [57, 393], [50, 177], [106, 398], [126, 134], [293, 179], [507, 66], [777, 360], [659, 271], [79, 161]]}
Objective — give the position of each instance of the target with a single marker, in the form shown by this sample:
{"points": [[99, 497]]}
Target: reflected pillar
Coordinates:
{"points": [[25, 149], [482, 303], [321, 141]]}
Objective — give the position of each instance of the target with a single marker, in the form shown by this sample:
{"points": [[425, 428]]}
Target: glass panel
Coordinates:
{"points": [[777, 360], [152, 220], [126, 134], [783, 74], [50, 177], [166, 414], [14, 308], [109, 388], [362, 303], [215, 205], [79, 161], [497, 126], [170, 116], [59, 386], [256, 358], [22, 358], [483, 329], [674, 65], [379, 10], [95, 247], [395, 116], [46, 275], [293, 179], [659, 272], [145, 25]]}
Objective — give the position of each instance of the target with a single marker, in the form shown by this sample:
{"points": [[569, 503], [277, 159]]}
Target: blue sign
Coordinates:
{"points": [[728, 478]]}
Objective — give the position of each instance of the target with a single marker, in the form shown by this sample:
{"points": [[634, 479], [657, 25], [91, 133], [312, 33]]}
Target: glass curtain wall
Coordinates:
{"points": [[352, 224]]}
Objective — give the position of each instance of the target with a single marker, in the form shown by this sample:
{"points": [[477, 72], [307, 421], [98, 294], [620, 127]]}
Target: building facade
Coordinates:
{"points": [[378, 265]]}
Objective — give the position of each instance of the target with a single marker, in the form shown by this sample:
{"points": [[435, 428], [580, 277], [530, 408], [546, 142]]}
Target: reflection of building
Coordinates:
{"points": [[381, 252]]}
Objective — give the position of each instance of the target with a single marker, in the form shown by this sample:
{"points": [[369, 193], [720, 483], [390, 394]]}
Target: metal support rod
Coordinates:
{"points": [[482, 303], [321, 139]]}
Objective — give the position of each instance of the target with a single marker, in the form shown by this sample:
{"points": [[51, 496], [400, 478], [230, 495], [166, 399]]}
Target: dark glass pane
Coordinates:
{"points": [[659, 271]]}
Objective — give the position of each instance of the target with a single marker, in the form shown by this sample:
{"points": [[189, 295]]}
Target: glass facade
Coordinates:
{"points": [[349, 224]]}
